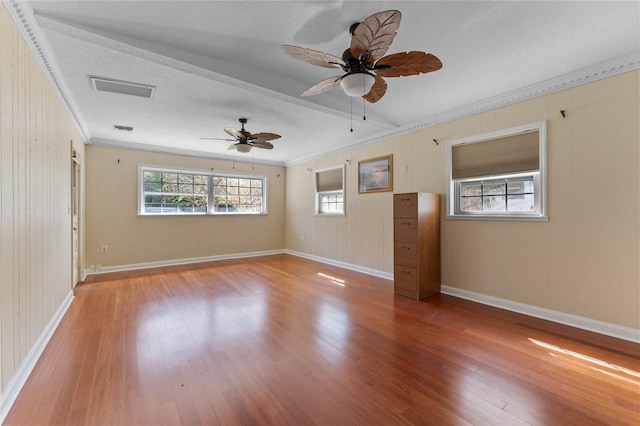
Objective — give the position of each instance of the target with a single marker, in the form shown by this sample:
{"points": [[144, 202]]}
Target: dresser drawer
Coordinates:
{"points": [[405, 230], [405, 205], [405, 253], [405, 281]]}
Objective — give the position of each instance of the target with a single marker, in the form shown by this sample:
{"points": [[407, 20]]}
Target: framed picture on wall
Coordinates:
{"points": [[375, 174]]}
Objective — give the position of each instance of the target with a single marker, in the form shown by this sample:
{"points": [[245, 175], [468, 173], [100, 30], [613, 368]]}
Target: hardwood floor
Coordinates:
{"points": [[288, 341]]}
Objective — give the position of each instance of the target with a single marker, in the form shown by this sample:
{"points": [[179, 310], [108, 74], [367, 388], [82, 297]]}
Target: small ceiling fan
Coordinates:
{"points": [[245, 140], [364, 62]]}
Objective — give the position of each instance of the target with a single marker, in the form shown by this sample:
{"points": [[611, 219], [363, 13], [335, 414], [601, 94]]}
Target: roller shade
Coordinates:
{"points": [[504, 155], [329, 180]]}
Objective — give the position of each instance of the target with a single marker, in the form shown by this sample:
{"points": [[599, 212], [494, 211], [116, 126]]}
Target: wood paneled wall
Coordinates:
{"points": [[35, 196], [584, 261]]}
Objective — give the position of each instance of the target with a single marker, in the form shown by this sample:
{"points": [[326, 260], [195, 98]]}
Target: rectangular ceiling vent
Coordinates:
{"points": [[122, 128], [123, 87]]}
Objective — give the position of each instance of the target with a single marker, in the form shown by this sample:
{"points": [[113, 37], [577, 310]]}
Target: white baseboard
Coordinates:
{"points": [[617, 331], [20, 378], [357, 268], [176, 262]]}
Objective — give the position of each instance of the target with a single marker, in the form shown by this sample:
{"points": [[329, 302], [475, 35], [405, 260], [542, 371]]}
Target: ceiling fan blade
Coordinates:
{"points": [[372, 38], [313, 57], [235, 133], [407, 63], [263, 137], [323, 86], [377, 91], [218, 139], [261, 144]]}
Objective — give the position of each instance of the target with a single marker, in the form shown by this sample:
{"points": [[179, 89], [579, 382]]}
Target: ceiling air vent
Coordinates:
{"points": [[123, 87], [122, 128]]}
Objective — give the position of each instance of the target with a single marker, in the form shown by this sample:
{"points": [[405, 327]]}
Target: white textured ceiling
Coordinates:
{"points": [[215, 61]]}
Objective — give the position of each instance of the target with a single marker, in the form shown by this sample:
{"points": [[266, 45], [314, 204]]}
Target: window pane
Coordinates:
{"points": [[232, 182], [220, 190], [170, 187], [169, 204], [520, 187], [185, 188], [495, 203], [218, 180], [521, 203], [199, 189], [152, 186], [470, 189], [152, 176], [244, 182], [185, 178], [493, 188], [471, 204], [170, 177], [256, 183]]}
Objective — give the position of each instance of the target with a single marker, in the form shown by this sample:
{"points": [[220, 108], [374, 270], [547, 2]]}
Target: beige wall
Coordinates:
{"points": [[584, 261], [111, 213], [35, 196]]}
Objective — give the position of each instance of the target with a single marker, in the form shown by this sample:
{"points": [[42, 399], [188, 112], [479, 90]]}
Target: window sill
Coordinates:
{"points": [[329, 214], [198, 214], [516, 218]]}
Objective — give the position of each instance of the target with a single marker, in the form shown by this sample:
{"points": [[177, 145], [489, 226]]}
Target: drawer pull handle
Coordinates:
{"points": [[404, 271], [405, 223], [407, 248], [405, 199]]}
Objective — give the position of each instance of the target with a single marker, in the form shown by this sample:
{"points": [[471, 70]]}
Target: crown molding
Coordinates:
{"points": [[586, 75], [137, 146], [22, 15]]}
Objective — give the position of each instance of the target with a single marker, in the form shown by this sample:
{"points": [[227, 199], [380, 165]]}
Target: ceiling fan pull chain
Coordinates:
{"points": [[351, 114], [364, 109]]}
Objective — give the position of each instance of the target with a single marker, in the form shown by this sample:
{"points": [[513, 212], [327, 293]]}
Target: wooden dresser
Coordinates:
{"points": [[416, 240]]}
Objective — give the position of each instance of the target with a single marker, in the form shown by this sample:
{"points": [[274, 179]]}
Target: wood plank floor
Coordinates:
{"points": [[288, 341]]}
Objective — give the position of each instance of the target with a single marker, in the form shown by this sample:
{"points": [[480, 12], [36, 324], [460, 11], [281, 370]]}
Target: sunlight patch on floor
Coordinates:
{"points": [[609, 369], [333, 280]]}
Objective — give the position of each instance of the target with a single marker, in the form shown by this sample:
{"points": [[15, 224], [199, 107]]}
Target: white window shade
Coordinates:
{"points": [[329, 180], [509, 154]]}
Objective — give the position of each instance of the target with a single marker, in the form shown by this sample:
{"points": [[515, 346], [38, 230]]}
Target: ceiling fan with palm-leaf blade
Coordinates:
{"points": [[245, 140], [364, 62]]}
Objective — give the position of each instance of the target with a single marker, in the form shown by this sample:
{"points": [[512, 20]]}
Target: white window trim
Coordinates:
{"points": [[540, 179], [316, 194], [145, 167]]}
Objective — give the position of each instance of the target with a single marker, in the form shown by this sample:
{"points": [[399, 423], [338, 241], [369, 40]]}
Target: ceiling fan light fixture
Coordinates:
{"points": [[357, 84], [243, 147]]}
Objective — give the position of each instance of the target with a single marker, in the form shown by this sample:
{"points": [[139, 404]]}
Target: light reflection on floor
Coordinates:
{"points": [[333, 327], [612, 370], [333, 280]]}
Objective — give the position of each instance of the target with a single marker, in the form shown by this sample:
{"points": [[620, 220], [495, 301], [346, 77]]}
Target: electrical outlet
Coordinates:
{"points": [[104, 249], [93, 268], [98, 268]]}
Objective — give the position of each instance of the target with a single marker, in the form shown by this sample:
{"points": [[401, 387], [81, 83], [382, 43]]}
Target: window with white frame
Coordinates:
{"points": [[499, 175], [329, 186], [193, 192]]}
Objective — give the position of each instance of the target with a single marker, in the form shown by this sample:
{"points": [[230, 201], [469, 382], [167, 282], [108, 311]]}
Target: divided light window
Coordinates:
{"points": [[498, 176], [329, 185], [186, 192]]}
